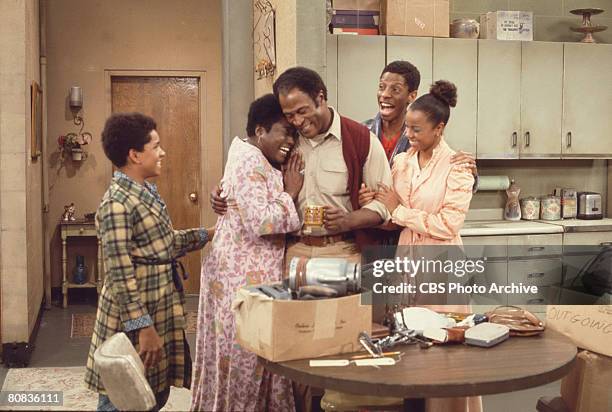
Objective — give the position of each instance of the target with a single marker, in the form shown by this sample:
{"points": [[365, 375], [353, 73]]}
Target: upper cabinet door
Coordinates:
{"points": [[499, 90], [416, 50], [360, 61], [587, 100], [541, 99], [456, 60]]}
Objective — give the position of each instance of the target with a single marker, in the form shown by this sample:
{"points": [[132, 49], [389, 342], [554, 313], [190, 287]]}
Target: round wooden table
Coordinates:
{"points": [[445, 370]]}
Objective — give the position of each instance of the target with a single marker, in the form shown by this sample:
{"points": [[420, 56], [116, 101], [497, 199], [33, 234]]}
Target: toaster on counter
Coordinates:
{"points": [[589, 206]]}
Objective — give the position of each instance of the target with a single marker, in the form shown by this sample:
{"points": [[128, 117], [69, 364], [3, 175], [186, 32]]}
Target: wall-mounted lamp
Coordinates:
{"points": [[73, 142]]}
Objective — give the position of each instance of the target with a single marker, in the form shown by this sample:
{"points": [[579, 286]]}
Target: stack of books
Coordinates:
{"points": [[355, 17]]}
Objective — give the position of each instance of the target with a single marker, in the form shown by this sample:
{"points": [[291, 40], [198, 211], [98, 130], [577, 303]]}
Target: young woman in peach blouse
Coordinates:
{"points": [[430, 196]]}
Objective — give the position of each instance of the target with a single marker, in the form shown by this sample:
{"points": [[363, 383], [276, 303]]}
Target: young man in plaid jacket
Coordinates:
{"points": [[142, 293]]}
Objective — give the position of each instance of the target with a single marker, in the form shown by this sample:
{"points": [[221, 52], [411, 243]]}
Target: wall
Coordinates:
{"points": [[86, 38], [582, 175], [552, 19], [238, 81], [21, 256]]}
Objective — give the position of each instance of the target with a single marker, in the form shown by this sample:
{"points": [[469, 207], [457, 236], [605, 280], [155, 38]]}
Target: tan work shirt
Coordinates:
{"points": [[326, 174]]}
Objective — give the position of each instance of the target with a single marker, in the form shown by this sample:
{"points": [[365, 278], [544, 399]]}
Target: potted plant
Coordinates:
{"points": [[71, 144]]}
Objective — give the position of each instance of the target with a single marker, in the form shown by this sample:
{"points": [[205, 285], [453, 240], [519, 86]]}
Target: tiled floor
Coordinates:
{"points": [[54, 347]]}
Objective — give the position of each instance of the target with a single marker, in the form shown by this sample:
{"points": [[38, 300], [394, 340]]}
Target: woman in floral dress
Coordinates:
{"points": [[248, 249]]}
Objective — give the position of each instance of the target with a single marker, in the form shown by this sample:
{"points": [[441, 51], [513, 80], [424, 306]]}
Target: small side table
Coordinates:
{"points": [[79, 228]]}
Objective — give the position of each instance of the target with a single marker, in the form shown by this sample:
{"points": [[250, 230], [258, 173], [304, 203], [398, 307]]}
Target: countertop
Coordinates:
{"points": [[526, 227]]}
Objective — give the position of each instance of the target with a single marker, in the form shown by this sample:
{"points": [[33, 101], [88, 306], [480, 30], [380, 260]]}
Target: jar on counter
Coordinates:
{"points": [[550, 207], [569, 203], [530, 208]]}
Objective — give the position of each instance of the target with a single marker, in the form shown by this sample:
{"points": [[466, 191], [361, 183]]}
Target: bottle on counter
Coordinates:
{"points": [[512, 211]]}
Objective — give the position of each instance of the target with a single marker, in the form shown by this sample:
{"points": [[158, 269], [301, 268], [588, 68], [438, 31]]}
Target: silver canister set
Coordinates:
{"points": [[562, 204]]}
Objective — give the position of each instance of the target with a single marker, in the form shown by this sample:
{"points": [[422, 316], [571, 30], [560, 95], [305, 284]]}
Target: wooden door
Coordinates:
{"points": [[456, 60], [541, 99], [174, 103], [499, 99], [587, 100]]}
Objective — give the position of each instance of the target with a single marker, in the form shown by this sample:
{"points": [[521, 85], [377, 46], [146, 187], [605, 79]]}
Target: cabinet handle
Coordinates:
{"points": [[536, 249], [605, 244], [569, 139], [535, 301], [514, 139], [527, 139], [535, 275]]}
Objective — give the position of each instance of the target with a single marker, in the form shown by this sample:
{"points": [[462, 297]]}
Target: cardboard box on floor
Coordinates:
{"points": [[587, 387], [282, 330], [415, 17], [373, 5]]}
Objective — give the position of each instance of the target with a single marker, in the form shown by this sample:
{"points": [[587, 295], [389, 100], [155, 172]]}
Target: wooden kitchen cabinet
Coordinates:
{"points": [[578, 250], [456, 60], [499, 99], [416, 50], [519, 99], [587, 100], [360, 61], [541, 99]]}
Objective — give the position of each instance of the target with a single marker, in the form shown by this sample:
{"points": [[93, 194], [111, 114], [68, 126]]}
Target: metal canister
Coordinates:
{"points": [[550, 207], [530, 208], [569, 203], [340, 274]]}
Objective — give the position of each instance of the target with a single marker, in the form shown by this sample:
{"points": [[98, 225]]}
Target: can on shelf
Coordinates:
{"points": [[530, 208], [550, 207], [569, 203]]}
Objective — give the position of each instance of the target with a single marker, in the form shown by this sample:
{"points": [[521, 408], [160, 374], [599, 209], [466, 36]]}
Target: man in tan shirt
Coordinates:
{"points": [[303, 98]]}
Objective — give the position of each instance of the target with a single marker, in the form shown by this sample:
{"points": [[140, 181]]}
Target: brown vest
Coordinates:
{"points": [[355, 148]]}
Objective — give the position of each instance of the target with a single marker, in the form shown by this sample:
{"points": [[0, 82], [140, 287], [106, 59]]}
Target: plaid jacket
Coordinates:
{"points": [[134, 226]]}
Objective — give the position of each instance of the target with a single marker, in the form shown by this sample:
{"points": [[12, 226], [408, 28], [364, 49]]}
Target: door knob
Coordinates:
{"points": [[193, 196]]}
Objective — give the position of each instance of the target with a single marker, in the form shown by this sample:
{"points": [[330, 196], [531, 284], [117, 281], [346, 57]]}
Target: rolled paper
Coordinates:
{"points": [[493, 183]]}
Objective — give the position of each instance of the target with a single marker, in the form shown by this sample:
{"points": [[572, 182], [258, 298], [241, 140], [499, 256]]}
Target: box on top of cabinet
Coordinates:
{"points": [[371, 5], [415, 17], [507, 25]]}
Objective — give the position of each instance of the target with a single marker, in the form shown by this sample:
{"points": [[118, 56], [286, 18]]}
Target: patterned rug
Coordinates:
{"points": [[70, 382], [83, 324]]}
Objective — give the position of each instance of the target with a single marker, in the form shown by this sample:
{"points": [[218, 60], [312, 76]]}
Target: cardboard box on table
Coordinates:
{"points": [[415, 17], [282, 330], [587, 388]]}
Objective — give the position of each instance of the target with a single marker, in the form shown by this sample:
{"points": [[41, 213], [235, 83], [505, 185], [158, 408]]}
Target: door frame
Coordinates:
{"points": [[209, 147]]}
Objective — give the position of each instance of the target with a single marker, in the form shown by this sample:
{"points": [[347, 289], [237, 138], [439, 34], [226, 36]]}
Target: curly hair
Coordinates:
{"points": [[264, 112], [437, 103], [407, 70], [302, 78], [125, 131]]}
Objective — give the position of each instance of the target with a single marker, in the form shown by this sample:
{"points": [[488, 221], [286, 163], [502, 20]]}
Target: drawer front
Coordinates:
{"points": [[495, 272], [539, 272], [535, 245], [492, 247], [576, 242]]}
